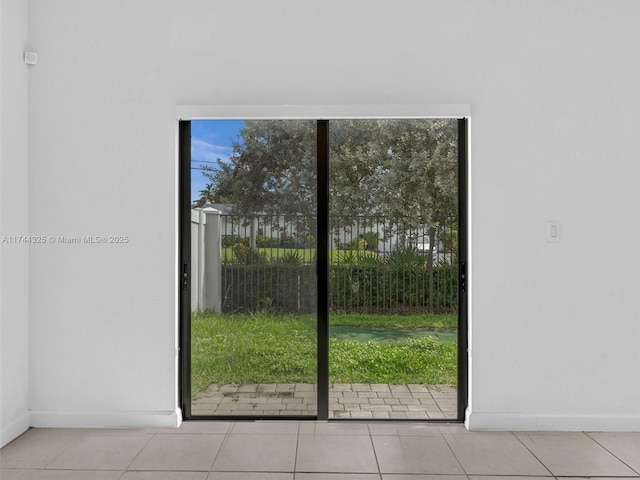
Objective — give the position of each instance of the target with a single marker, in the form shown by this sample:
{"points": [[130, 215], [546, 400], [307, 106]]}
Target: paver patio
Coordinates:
{"points": [[346, 400]]}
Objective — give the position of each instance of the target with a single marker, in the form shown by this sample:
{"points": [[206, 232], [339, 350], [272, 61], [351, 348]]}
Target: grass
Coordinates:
{"points": [[263, 348], [306, 254], [421, 360]]}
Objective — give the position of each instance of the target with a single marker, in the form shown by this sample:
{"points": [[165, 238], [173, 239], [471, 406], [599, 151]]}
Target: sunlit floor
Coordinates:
{"points": [[346, 400], [314, 451]]}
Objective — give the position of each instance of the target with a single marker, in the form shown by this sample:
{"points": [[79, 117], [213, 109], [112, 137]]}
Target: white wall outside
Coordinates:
{"points": [[206, 260], [553, 88]]}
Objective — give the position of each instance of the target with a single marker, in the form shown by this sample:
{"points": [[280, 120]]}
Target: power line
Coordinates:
{"points": [[204, 161]]}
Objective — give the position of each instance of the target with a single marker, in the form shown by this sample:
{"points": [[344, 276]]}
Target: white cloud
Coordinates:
{"points": [[209, 152]]}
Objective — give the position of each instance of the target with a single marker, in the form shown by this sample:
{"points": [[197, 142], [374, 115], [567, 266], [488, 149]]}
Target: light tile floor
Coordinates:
{"points": [[346, 400], [278, 450]]}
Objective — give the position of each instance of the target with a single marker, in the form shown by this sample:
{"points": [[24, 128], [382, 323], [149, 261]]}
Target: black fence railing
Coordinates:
{"points": [[377, 265]]}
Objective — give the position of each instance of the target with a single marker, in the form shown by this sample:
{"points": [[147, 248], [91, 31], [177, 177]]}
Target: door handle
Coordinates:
{"points": [[185, 275]]}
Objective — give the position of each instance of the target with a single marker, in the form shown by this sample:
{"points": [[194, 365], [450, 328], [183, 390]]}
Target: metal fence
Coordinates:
{"points": [[377, 265]]}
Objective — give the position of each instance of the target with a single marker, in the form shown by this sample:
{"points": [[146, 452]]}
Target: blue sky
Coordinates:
{"points": [[210, 140]]}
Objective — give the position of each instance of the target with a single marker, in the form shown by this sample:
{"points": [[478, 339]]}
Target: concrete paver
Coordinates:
{"points": [[346, 400]]}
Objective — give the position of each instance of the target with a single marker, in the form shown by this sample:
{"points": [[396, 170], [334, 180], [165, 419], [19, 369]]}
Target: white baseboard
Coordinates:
{"points": [[14, 429], [538, 423], [167, 419]]}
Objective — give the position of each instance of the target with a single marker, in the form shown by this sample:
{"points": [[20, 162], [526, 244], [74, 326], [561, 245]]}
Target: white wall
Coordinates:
{"points": [[553, 88], [14, 221]]}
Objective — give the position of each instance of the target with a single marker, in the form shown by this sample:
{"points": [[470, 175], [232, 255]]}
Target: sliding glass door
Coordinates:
{"points": [[253, 253], [323, 268], [393, 268]]}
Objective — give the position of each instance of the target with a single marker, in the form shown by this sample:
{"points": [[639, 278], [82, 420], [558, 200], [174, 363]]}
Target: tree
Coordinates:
{"points": [[271, 170], [395, 168], [206, 195], [423, 178], [358, 166]]}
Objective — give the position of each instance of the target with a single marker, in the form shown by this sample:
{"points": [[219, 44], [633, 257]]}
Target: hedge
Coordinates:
{"points": [[377, 288], [279, 288]]}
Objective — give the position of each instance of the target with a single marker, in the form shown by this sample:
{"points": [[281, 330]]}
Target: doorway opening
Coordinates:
{"points": [[323, 268]]}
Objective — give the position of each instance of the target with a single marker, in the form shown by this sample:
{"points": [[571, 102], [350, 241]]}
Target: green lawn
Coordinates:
{"points": [[261, 348], [307, 255]]}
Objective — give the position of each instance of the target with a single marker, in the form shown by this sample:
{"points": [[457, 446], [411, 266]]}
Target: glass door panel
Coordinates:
{"points": [[393, 269], [253, 279]]}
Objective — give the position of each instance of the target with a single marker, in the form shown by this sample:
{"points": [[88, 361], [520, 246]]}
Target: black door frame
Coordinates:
{"points": [[463, 219], [322, 269], [184, 266], [184, 280]]}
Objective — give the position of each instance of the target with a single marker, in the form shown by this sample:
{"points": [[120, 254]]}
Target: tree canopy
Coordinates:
{"points": [[383, 168]]}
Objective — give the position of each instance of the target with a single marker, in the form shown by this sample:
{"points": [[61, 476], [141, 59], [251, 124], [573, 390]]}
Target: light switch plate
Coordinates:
{"points": [[553, 231]]}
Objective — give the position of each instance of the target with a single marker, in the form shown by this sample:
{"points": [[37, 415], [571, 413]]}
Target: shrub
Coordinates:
{"points": [[371, 239], [371, 288], [287, 285], [450, 240], [247, 255], [291, 258], [407, 257], [358, 244], [287, 241], [266, 242], [283, 287], [231, 240], [348, 257]]}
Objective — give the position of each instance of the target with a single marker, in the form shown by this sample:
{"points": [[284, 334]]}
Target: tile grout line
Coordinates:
{"points": [[534, 455], [224, 439], [443, 436], [151, 436], [44, 467], [613, 454], [375, 453], [80, 441], [231, 426], [295, 457]]}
